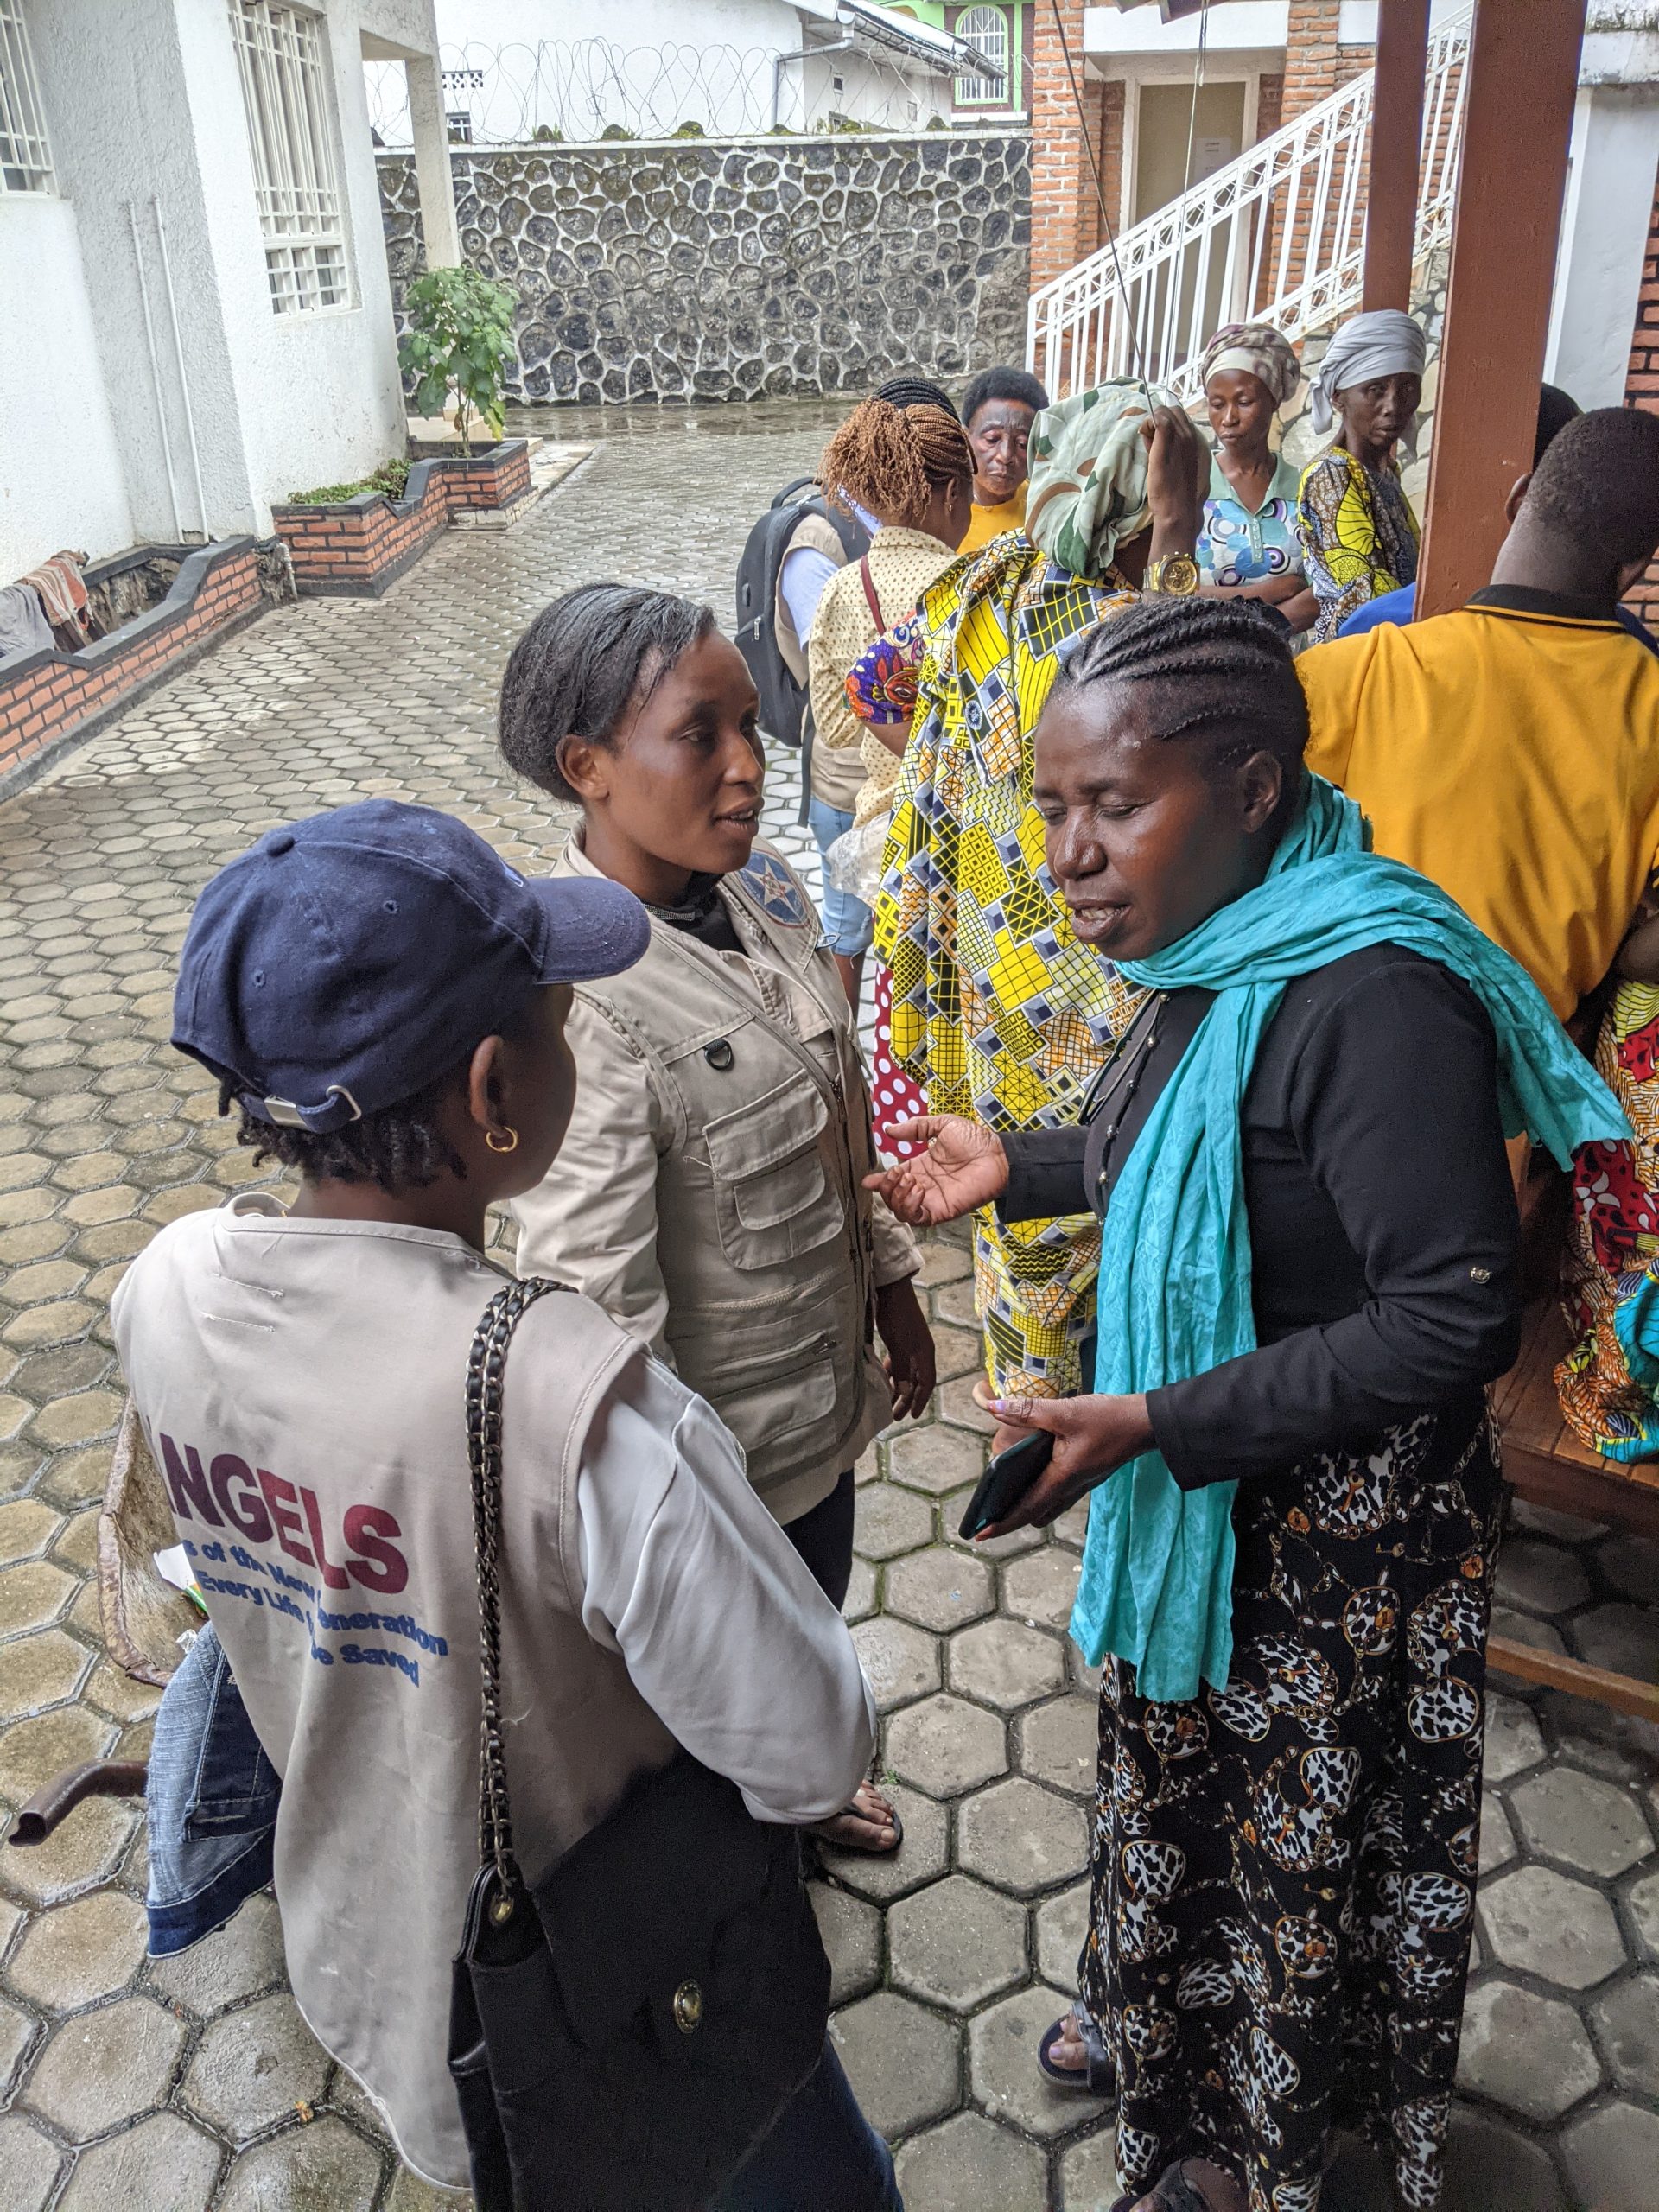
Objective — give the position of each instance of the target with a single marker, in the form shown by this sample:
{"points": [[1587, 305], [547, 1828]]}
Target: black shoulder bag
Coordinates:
{"points": [[623, 2033]]}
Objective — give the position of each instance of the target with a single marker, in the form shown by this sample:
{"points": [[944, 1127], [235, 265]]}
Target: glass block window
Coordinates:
{"points": [[986, 29], [25, 158], [285, 86]]}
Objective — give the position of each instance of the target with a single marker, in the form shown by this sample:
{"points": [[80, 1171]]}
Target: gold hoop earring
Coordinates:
{"points": [[510, 1145]]}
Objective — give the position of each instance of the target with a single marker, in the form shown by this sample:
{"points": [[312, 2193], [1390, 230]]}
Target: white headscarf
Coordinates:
{"points": [[1385, 343]]}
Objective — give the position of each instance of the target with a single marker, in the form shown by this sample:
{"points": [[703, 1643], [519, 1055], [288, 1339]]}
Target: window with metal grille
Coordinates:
{"points": [[285, 85], [25, 158], [986, 29]]}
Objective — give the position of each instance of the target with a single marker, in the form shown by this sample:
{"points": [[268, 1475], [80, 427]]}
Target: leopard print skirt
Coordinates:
{"points": [[1284, 1872]]}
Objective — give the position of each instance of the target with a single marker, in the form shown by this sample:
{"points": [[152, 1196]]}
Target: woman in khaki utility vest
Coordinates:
{"points": [[710, 1191]]}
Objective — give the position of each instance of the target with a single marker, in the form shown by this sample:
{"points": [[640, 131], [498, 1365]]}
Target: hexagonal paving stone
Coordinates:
{"points": [[1632, 1565], [969, 2165], [409, 2193], [1540, 1576], [1042, 1587], [87, 1848], [955, 1943], [1641, 1900], [890, 1520], [941, 1588], [943, 1261], [101, 2068], [951, 1510], [1589, 1824], [1002, 2071], [163, 2164], [1621, 1637], [957, 1405], [1088, 2175], [1545, 1924], [944, 1747], [16, 2033], [33, 1594], [79, 1952], [936, 1459], [1498, 1845], [922, 1856], [40, 1670], [1527, 2052], [905, 2064], [852, 1935], [1059, 1743], [1514, 1740], [321, 2168], [901, 1664], [1627, 2023], [957, 1351], [33, 1751], [1023, 1839], [860, 1600], [1003, 1662], [253, 2065], [27, 1527], [1060, 1925], [1612, 2157], [28, 2166]]}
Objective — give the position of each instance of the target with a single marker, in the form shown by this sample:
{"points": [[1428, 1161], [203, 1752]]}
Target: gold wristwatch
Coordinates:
{"points": [[1176, 576]]}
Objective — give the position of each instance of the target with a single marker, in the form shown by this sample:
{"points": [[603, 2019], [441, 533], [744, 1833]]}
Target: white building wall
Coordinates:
{"points": [[1615, 152], [61, 480]]}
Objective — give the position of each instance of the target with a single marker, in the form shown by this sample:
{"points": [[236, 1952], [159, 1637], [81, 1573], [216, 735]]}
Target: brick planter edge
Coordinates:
{"points": [[355, 549]]}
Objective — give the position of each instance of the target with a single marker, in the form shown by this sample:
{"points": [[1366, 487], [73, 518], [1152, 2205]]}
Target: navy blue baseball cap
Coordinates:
{"points": [[345, 962]]}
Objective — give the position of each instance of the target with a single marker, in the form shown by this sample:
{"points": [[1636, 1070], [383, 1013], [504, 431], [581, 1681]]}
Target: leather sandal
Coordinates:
{"points": [[1098, 2078], [1174, 2190]]}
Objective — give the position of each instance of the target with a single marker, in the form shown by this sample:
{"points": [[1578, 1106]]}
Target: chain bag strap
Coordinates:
{"points": [[485, 1370]]}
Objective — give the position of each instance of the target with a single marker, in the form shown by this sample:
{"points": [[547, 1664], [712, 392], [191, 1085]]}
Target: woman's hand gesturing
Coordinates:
{"points": [[963, 1167]]}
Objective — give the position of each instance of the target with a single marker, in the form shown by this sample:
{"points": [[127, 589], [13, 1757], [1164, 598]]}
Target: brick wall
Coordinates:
{"points": [[1315, 63], [1064, 214], [1642, 384], [354, 549], [50, 696]]}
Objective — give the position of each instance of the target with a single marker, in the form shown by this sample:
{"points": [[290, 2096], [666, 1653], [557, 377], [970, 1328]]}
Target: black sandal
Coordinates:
{"points": [[1098, 2078], [1171, 2192]]}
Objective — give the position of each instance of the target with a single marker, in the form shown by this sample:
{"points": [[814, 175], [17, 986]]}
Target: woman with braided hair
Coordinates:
{"points": [[1307, 1277], [912, 469]]}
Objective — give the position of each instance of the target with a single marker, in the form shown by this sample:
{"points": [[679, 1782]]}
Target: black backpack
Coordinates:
{"points": [[782, 699]]}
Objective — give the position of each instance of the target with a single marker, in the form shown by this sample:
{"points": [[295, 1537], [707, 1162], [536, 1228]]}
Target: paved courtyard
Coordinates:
{"points": [[168, 2088]]}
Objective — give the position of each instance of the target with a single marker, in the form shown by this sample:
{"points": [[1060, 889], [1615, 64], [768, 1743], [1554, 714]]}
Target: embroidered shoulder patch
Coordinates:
{"points": [[774, 891]]}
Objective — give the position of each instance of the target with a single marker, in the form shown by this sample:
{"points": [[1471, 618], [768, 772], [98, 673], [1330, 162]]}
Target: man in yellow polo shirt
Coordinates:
{"points": [[1510, 750]]}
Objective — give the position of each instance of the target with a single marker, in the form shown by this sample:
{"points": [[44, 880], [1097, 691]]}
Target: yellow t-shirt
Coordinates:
{"points": [[991, 522], [1510, 752]]}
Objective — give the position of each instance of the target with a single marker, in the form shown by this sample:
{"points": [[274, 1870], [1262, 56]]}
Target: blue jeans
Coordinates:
{"points": [[821, 2155], [210, 1802], [848, 922]]}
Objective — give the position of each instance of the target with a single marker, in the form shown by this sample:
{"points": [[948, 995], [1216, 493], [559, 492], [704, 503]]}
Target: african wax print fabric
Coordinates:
{"points": [[1284, 1870], [998, 1012], [1359, 536], [1608, 1384], [1087, 491]]}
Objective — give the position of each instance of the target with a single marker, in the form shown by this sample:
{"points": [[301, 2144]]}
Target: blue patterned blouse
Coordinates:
{"points": [[1237, 547]]}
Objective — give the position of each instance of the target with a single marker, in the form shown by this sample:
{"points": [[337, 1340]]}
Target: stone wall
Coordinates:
{"points": [[711, 269]]}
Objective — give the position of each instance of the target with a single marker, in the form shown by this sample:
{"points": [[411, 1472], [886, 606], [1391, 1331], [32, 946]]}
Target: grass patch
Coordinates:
{"points": [[392, 478]]}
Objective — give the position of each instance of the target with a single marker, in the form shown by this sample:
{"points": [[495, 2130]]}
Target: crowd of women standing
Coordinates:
{"points": [[1227, 1095]]}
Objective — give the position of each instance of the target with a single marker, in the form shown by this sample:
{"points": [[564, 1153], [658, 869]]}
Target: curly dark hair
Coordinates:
{"points": [[1598, 485], [1001, 384], [582, 664], [400, 1148], [1222, 671]]}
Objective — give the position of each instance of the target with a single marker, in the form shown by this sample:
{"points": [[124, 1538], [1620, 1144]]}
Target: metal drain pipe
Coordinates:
{"points": [[184, 380], [155, 371], [779, 61]]}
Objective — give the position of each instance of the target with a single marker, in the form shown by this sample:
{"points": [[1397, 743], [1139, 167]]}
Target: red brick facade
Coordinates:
{"points": [[50, 696], [355, 548], [1316, 63], [1642, 384]]}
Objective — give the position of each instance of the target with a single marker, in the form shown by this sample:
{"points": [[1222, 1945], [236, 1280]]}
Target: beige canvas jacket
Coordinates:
{"points": [[903, 563], [710, 1194]]}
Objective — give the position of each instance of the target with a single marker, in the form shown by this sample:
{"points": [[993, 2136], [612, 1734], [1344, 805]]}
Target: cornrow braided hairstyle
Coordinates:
{"points": [[1221, 672], [890, 459], [400, 1148], [916, 392]]}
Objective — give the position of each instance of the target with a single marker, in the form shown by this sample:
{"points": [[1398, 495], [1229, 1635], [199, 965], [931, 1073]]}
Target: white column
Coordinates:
{"points": [[1603, 239], [432, 175]]}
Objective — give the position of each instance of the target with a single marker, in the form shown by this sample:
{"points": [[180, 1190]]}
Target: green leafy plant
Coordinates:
{"points": [[545, 135], [690, 129], [392, 478], [616, 130], [460, 338]]}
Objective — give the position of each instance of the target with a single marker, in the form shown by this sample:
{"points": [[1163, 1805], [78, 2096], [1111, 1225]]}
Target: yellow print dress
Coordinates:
{"points": [[998, 1012]]}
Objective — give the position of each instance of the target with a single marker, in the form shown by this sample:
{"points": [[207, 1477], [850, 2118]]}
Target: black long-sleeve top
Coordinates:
{"points": [[1382, 1215]]}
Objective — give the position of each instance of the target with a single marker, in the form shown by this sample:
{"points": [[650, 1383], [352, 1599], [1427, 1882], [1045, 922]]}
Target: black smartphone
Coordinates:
{"points": [[1007, 1479]]}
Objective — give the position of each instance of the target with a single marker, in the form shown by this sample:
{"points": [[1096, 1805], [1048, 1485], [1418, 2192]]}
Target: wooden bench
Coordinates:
{"points": [[1545, 1464]]}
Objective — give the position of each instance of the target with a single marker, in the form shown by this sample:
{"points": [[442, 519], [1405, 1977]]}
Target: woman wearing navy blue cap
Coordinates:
{"points": [[710, 1193], [384, 1002]]}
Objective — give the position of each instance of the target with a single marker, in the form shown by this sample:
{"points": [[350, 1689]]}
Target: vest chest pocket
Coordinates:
{"points": [[772, 1199]]}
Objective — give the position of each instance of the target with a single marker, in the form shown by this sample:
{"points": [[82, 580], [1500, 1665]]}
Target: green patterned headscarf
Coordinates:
{"points": [[1087, 493]]}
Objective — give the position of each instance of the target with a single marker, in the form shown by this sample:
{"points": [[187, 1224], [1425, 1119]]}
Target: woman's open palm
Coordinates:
{"points": [[964, 1166]]}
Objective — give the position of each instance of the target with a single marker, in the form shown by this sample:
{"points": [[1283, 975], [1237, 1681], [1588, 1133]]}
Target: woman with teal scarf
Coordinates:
{"points": [[1307, 1278]]}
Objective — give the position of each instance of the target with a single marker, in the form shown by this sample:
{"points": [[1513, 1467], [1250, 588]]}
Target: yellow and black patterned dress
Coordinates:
{"points": [[998, 1012]]}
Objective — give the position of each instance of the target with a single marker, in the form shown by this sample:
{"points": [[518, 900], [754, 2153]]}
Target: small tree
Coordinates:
{"points": [[459, 337]]}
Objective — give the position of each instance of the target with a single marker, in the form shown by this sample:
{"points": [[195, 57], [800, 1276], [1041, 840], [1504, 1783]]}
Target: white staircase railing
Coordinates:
{"points": [[1277, 236]]}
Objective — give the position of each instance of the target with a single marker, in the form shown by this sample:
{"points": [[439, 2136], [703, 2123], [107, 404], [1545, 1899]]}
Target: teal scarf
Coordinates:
{"points": [[1174, 1299]]}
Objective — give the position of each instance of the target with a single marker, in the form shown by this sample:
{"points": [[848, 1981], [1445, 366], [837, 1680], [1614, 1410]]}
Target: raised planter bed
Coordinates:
{"points": [[355, 548], [51, 695]]}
